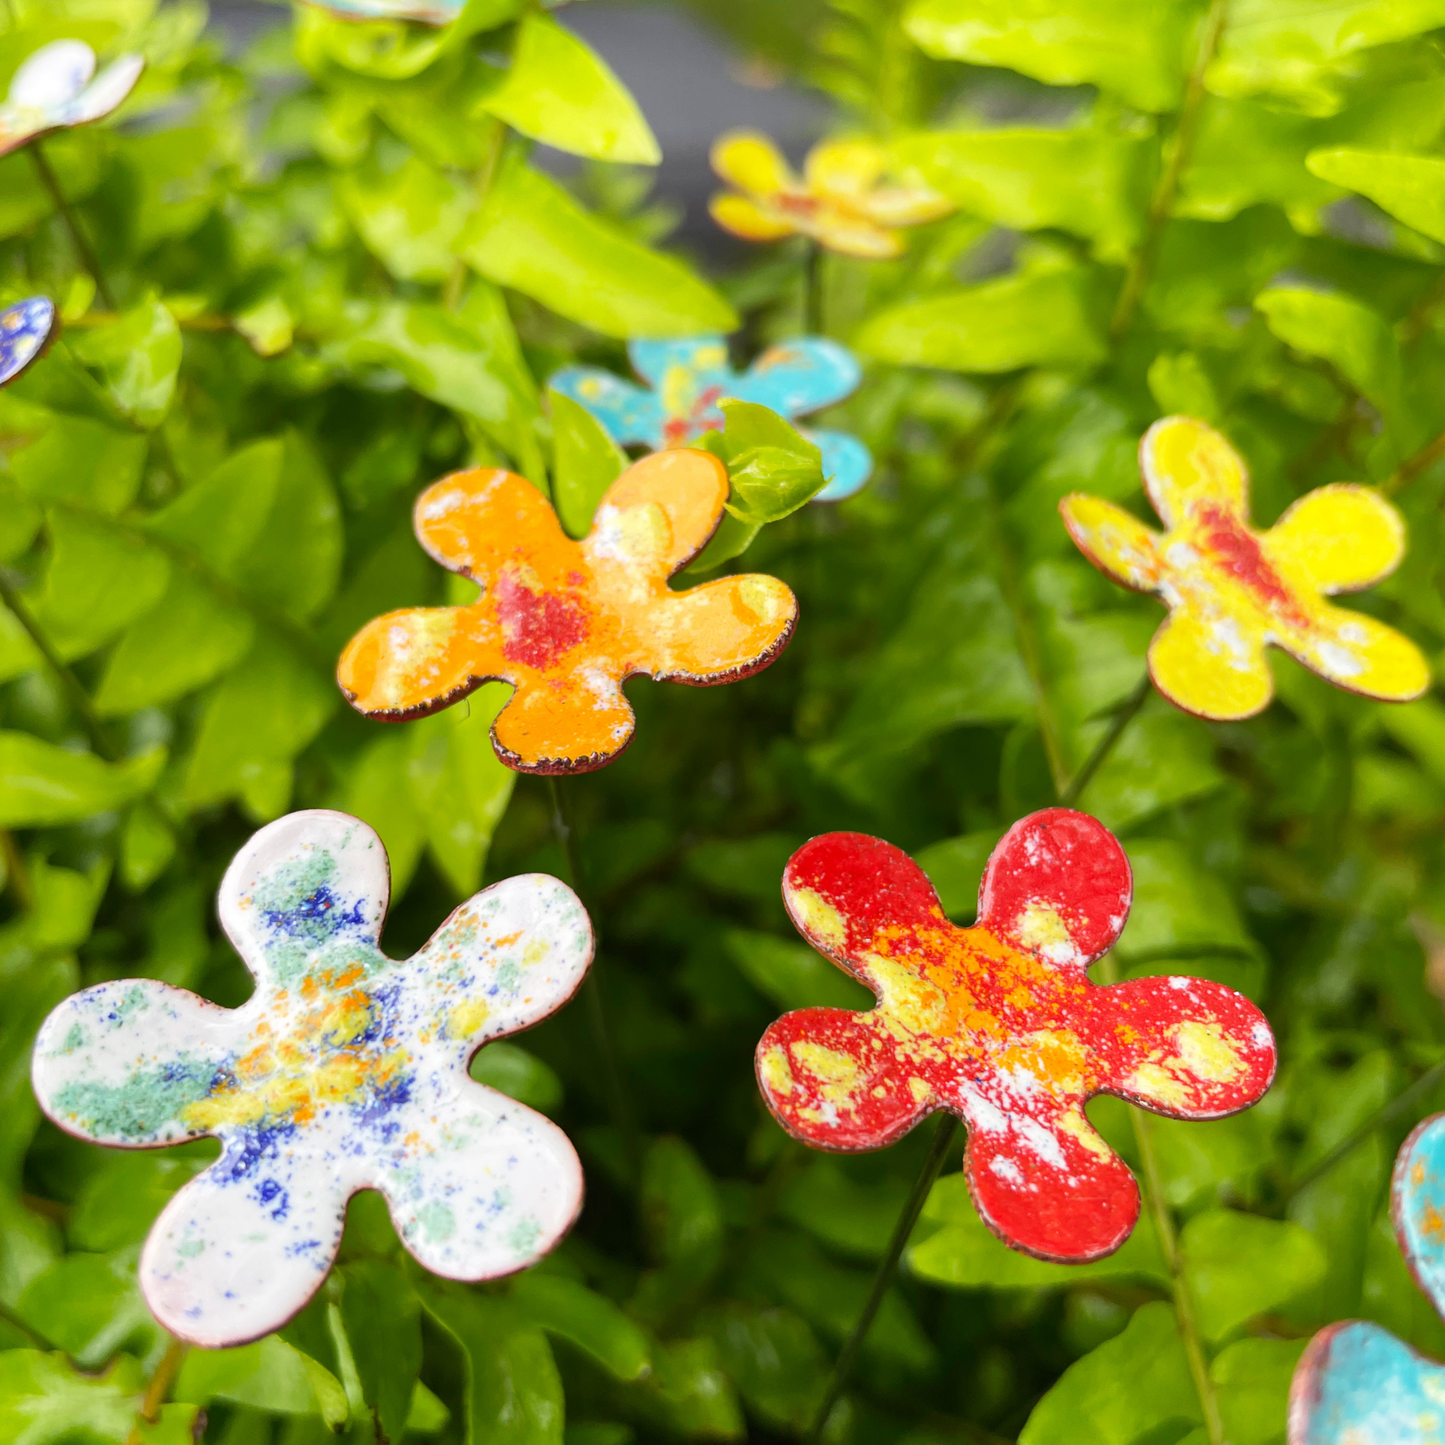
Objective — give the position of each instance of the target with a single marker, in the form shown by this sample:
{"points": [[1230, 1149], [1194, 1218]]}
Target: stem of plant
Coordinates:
{"points": [[943, 1137], [1128, 710], [160, 1385], [1412, 466], [1162, 201], [564, 826], [813, 289], [96, 730], [72, 223], [1377, 1120]]}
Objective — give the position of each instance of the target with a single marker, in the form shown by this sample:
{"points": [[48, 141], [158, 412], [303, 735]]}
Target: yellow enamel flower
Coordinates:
{"points": [[1232, 591], [840, 202]]}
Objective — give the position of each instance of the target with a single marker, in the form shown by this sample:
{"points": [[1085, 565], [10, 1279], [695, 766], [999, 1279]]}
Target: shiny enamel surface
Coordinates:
{"points": [[841, 201], [1000, 1024], [685, 381], [428, 12], [345, 1070], [1232, 591], [54, 88], [567, 622], [26, 329]]}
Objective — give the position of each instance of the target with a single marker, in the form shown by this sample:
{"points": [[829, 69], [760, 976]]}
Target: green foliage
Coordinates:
{"points": [[339, 274]]}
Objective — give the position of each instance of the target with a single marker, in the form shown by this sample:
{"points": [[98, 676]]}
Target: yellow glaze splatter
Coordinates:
{"points": [[841, 201], [1232, 590]]}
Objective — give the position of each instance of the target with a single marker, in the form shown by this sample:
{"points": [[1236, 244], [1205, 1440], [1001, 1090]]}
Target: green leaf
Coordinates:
{"points": [[1419, 727], [119, 1202], [592, 1323], [381, 1315], [1180, 909], [961, 1250], [853, 1218], [790, 974], [772, 468], [138, 356], [680, 1206], [89, 1306], [1132, 1385], [379, 792], [512, 1392], [586, 461], [955, 868], [147, 846], [45, 1401], [264, 712], [100, 579], [1241, 1265], [1135, 49], [775, 1361], [1251, 1381], [1040, 318], [1410, 188], [42, 785], [520, 1075], [558, 90], [270, 1375], [82, 461], [410, 218], [1089, 182], [25, 200], [690, 1395], [532, 236]]}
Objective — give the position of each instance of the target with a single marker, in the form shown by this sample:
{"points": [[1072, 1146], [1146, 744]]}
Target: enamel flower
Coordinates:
{"points": [[566, 623], [1000, 1024], [1356, 1384], [54, 89], [428, 12], [26, 329], [687, 379], [345, 1070], [1232, 591], [841, 200]]}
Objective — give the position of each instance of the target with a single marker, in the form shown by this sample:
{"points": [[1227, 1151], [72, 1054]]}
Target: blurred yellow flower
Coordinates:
{"points": [[840, 202], [1231, 591]]}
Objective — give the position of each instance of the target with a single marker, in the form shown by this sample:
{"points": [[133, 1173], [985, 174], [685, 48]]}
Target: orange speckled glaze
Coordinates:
{"points": [[566, 623], [1000, 1024], [1232, 591]]}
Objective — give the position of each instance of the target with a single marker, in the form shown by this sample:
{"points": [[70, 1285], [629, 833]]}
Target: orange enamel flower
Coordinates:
{"points": [[841, 202], [1232, 591], [566, 623]]}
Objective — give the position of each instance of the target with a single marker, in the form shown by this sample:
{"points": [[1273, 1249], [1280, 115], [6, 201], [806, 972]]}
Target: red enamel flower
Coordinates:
{"points": [[1000, 1024]]}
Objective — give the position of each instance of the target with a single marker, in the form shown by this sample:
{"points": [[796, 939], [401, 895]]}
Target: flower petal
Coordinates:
{"points": [[1211, 663], [840, 889], [905, 205], [658, 514], [53, 76], [1417, 1198], [485, 1188], [851, 234], [106, 92], [628, 413], [1057, 885], [122, 1063], [1115, 541], [472, 522], [1184, 462], [1054, 1190], [800, 376], [835, 1081], [721, 631], [243, 1246], [653, 360], [744, 217], [509, 957], [311, 884], [750, 161], [1337, 539], [844, 168], [26, 329], [409, 663], [1184, 1047], [847, 463], [1361, 655], [574, 722]]}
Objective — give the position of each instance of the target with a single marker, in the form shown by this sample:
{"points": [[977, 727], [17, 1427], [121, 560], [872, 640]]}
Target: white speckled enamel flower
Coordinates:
{"points": [[57, 87], [345, 1070]]}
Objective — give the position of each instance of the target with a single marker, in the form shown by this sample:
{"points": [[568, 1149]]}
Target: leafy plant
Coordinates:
{"points": [[337, 273]]}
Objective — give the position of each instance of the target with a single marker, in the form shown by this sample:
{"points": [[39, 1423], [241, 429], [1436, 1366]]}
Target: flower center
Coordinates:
{"points": [[1235, 550], [537, 627]]}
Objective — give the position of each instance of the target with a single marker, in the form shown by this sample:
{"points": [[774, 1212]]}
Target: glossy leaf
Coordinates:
{"points": [[42, 785], [586, 461], [138, 356], [382, 1318], [1410, 188]]}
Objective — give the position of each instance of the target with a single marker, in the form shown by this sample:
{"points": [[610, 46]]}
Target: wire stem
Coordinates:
{"points": [[17, 876], [812, 289], [1128, 710], [565, 827], [1412, 466], [883, 1279], [100, 739], [1378, 1119], [1161, 204], [72, 223], [160, 1385]]}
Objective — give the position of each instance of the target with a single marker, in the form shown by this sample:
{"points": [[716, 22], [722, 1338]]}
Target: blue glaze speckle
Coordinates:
{"points": [[25, 332]]}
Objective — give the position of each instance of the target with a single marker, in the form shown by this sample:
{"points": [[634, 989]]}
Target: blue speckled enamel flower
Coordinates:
{"points": [[686, 380], [57, 87], [26, 329], [345, 1070], [1357, 1384]]}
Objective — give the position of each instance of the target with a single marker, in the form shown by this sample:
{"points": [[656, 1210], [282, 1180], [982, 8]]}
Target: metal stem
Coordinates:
{"points": [[72, 223], [1128, 709], [883, 1279]]}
